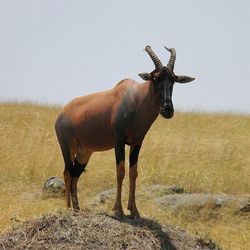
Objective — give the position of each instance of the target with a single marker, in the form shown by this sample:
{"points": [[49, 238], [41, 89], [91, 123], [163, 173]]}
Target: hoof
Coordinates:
{"points": [[134, 214], [76, 207], [76, 210], [119, 214]]}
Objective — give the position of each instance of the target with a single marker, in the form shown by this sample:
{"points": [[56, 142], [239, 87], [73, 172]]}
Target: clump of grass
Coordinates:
{"points": [[200, 152]]}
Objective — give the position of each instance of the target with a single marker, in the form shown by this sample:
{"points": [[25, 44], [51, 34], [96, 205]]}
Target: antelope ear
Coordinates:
{"points": [[183, 79], [145, 76]]}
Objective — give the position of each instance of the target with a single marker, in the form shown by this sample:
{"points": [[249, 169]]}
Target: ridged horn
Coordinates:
{"points": [[154, 57], [172, 58]]}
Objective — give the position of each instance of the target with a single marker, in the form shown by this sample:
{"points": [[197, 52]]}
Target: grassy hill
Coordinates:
{"points": [[200, 152]]}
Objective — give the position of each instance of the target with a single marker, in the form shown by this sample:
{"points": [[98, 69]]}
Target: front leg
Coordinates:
{"points": [[133, 159], [120, 173]]}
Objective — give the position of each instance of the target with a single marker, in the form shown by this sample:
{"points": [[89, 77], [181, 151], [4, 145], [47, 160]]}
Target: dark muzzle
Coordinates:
{"points": [[167, 112]]}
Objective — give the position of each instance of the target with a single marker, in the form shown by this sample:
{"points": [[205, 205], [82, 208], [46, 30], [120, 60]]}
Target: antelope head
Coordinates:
{"points": [[163, 78]]}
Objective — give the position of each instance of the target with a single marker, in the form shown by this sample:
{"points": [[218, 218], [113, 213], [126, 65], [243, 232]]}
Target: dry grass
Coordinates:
{"points": [[88, 230], [203, 153]]}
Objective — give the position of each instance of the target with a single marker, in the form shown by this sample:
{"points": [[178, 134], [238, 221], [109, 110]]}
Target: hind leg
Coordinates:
{"points": [[69, 155], [79, 165], [75, 158], [67, 181], [68, 147], [77, 171]]}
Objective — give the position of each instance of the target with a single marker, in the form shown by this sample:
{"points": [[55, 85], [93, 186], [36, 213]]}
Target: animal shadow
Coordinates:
{"points": [[151, 225]]}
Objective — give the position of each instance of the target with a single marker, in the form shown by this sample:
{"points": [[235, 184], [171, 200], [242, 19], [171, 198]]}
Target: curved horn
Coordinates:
{"points": [[171, 61], [154, 57]]}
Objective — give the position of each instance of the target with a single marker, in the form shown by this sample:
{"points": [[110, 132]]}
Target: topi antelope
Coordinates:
{"points": [[112, 119]]}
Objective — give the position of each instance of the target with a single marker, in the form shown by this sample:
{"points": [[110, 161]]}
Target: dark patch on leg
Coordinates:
{"points": [[119, 151], [133, 157], [76, 168]]}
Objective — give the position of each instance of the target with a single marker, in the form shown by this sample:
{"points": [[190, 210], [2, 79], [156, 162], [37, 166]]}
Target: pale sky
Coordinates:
{"points": [[54, 50]]}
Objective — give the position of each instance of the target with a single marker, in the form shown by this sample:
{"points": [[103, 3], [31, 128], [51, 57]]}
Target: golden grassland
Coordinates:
{"points": [[200, 152]]}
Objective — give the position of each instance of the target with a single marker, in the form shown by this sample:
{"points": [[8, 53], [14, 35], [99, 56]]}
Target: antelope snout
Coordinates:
{"points": [[167, 112]]}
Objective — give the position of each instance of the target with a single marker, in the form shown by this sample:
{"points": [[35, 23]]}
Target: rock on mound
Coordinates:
{"points": [[86, 230]]}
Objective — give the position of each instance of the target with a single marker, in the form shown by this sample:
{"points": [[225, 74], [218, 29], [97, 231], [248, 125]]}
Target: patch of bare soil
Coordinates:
{"points": [[88, 230]]}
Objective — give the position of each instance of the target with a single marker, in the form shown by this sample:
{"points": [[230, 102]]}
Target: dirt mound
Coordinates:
{"points": [[87, 230]]}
